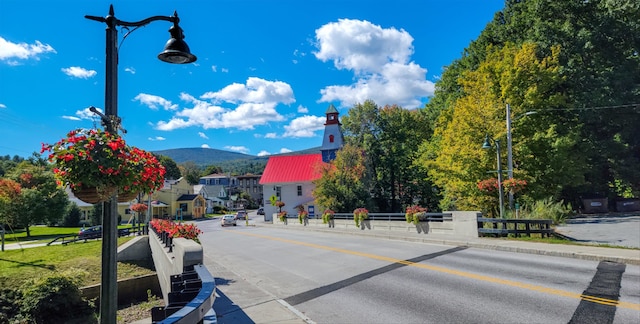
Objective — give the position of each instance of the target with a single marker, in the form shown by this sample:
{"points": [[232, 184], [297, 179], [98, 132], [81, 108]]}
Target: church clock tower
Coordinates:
{"points": [[333, 139]]}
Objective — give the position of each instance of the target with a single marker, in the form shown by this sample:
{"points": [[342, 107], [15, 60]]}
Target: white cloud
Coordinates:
{"points": [[130, 70], [380, 60], [71, 117], [79, 72], [88, 114], [11, 52], [224, 70], [205, 146], [285, 150], [263, 153], [255, 104], [305, 126], [203, 135], [3, 106], [240, 149], [214, 68], [256, 90], [157, 138], [270, 135], [153, 102], [302, 109]]}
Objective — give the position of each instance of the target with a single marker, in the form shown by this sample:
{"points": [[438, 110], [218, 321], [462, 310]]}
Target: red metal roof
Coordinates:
{"points": [[292, 168]]}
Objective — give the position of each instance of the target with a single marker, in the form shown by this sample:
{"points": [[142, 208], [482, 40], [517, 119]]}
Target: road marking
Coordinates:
{"points": [[606, 284], [464, 274]]}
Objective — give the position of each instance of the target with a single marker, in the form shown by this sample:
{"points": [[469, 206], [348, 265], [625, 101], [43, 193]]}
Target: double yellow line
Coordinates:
{"points": [[558, 292]]}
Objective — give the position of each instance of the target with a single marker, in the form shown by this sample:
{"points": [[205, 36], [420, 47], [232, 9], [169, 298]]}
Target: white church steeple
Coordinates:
{"points": [[333, 139]]}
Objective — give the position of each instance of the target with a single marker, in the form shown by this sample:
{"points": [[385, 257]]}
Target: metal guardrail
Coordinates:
{"points": [[121, 232], [394, 217], [515, 226]]}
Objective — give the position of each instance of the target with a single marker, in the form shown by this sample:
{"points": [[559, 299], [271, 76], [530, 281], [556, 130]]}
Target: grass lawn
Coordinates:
{"points": [[40, 234], [17, 266]]}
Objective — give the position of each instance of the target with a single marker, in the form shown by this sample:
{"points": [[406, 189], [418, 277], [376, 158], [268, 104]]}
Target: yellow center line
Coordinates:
{"points": [[463, 274]]}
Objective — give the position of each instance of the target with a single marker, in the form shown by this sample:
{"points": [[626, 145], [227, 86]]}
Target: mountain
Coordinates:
{"points": [[205, 156], [208, 156]]}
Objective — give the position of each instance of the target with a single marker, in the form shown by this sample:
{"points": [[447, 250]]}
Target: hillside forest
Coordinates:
{"points": [[570, 72]]}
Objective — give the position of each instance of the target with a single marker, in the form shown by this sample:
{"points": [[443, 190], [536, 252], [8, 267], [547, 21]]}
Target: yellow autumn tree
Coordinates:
{"points": [[455, 158]]}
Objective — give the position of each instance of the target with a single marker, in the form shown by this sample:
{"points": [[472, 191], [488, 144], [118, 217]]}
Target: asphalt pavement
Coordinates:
{"points": [[601, 234], [611, 229]]}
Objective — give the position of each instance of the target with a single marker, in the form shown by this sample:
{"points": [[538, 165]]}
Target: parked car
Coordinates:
{"points": [[241, 215], [95, 232], [261, 211], [92, 232], [228, 220]]}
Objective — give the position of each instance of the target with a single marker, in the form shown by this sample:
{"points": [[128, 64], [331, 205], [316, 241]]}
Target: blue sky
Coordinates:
{"points": [[265, 75]]}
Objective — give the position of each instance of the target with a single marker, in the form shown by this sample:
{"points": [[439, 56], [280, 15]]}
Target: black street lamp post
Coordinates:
{"points": [[175, 51], [487, 145]]}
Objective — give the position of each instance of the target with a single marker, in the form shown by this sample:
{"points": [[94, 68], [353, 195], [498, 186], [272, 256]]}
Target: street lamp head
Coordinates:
{"points": [[176, 51], [487, 142]]}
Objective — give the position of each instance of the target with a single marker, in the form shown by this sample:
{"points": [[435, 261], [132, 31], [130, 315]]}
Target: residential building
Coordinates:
{"points": [[250, 184], [176, 200]]}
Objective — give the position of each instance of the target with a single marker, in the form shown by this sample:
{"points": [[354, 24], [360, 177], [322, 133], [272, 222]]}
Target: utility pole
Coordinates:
{"points": [[509, 155]]}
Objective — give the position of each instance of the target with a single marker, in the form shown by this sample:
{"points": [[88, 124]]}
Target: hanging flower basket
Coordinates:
{"points": [[302, 215], [415, 214], [93, 195], [327, 216], [360, 214], [139, 208], [283, 216], [514, 184], [127, 196], [88, 158]]}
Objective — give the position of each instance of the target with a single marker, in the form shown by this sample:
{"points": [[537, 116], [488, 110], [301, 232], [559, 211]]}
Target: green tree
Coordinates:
{"points": [[95, 218], [455, 159], [391, 136], [72, 216], [600, 67], [40, 200], [341, 187], [9, 194], [173, 172], [191, 172], [211, 169]]}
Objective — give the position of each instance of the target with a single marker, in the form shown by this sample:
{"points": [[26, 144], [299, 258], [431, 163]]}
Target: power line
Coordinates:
{"points": [[634, 105]]}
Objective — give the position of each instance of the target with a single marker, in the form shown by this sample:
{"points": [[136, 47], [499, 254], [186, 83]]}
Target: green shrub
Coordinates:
{"points": [[547, 209], [72, 217], [54, 299], [219, 210], [9, 304]]}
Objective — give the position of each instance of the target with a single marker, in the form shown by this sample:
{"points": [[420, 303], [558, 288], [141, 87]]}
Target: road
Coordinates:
{"points": [[330, 278], [614, 230]]}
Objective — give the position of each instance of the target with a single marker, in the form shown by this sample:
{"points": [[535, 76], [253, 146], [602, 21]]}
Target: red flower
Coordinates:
{"points": [[96, 158]]}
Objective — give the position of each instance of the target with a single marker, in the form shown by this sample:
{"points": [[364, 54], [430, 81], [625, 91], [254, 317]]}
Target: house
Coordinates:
{"points": [[225, 189], [289, 178], [176, 200], [213, 195], [250, 184]]}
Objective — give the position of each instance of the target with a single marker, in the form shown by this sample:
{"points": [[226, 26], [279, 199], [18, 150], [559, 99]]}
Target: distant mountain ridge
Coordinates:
{"points": [[205, 156], [208, 156]]}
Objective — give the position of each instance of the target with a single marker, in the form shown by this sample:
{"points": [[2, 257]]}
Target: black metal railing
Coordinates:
{"points": [[191, 297], [517, 227]]}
